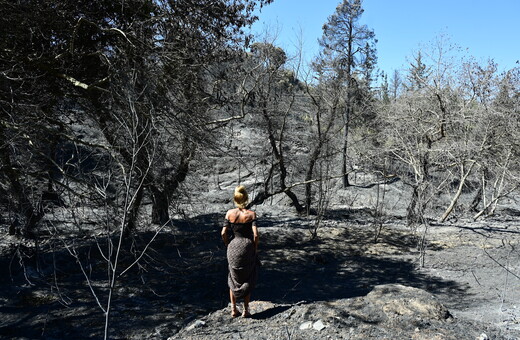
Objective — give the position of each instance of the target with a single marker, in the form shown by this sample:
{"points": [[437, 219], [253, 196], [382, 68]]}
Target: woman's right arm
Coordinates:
{"points": [[256, 236], [223, 233]]}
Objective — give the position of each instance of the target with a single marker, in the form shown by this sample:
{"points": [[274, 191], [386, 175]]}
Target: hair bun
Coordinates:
{"points": [[240, 196], [240, 189]]}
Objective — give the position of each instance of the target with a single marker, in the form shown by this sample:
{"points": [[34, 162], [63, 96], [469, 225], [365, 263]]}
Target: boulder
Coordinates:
{"points": [[395, 301]]}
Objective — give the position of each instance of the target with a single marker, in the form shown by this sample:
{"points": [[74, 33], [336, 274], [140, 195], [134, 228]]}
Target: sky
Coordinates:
{"points": [[483, 29]]}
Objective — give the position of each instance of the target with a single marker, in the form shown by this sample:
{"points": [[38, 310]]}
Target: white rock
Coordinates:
{"points": [[306, 325], [318, 325], [198, 323], [483, 336]]}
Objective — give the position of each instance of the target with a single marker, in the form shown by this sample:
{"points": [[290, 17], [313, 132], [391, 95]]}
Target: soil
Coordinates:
{"points": [[469, 269]]}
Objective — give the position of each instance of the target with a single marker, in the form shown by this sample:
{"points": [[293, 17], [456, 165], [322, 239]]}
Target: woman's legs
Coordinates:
{"points": [[247, 298], [234, 311]]}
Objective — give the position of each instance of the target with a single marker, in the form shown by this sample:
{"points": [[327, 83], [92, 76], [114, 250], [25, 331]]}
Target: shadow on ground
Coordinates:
{"points": [[335, 267]]}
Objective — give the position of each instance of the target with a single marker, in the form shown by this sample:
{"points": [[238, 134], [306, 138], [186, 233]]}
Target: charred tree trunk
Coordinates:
{"points": [[133, 213], [322, 138], [417, 206], [31, 215], [477, 199], [411, 214], [277, 151], [161, 199], [348, 109], [160, 205], [346, 183], [308, 177]]}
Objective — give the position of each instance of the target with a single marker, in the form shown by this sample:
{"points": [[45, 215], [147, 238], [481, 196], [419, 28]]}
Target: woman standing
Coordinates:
{"points": [[241, 251]]}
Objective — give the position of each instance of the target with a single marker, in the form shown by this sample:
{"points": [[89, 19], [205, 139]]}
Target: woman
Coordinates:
{"points": [[241, 251]]}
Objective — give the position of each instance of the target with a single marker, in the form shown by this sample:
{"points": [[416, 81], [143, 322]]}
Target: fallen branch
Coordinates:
{"points": [[501, 265]]}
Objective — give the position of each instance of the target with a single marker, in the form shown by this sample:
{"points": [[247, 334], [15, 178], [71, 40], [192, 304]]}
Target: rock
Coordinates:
{"points": [[306, 325], [196, 324], [390, 311], [396, 300], [318, 325]]}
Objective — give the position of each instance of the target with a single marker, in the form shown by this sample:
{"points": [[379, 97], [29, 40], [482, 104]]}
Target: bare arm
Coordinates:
{"points": [[223, 233], [256, 236]]}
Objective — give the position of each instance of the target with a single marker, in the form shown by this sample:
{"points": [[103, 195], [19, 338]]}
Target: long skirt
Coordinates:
{"points": [[242, 266]]}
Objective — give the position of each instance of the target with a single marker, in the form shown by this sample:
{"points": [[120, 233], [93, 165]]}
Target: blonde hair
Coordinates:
{"points": [[240, 197]]}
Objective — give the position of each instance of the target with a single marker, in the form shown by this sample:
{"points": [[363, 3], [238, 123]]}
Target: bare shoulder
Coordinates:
{"points": [[251, 215], [228, 213], [232, 213]]}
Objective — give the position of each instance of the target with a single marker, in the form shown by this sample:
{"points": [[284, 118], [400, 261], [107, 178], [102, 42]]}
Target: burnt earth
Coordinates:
{"points": [[465, 286]]}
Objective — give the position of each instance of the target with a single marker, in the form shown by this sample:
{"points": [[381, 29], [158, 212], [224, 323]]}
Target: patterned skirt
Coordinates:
{"points": [[242, 266]]}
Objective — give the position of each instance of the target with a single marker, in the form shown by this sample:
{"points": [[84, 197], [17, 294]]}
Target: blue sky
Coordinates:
{"points": [[483, 28]]}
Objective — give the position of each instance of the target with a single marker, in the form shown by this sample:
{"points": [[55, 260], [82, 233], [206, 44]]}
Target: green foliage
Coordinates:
{"points": [[347, 46]]}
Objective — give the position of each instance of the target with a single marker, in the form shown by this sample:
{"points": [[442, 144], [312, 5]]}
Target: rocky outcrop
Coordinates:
{"points": [[390, 311], [397, 302]]}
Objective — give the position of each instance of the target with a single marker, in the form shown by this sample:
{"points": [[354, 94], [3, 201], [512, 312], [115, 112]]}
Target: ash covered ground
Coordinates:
{"points": [[464, 285]]}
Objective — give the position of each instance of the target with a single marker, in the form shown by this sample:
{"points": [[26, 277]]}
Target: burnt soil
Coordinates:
{"points": [[471, 268]]}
